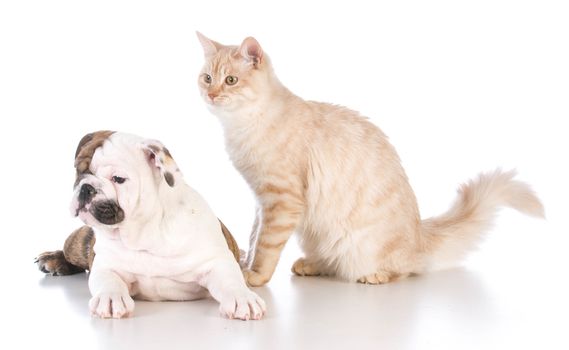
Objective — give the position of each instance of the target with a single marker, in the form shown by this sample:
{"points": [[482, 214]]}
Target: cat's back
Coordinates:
{"points": [[339, 125]]}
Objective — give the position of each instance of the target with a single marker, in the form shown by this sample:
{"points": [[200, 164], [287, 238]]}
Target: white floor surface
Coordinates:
{"points": [[501, 299]]}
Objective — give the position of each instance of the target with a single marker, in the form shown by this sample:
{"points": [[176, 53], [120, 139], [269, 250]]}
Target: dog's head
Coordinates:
{"points": [[120, 178]]}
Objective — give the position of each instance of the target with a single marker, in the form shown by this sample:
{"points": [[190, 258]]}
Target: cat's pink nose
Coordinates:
{"points": [[211, 96]]}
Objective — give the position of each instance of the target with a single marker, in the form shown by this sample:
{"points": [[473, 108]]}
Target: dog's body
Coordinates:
{"points": [[156, 238]]}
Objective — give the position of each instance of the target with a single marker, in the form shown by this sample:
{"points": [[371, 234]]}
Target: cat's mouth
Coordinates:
{"points": [[217, 100]]}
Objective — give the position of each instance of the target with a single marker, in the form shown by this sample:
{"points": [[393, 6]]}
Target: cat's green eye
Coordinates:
{"points": [[207, 78], [231, 80]]}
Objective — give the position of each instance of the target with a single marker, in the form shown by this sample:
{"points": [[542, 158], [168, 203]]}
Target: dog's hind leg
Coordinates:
{"points": [[77, 254]]}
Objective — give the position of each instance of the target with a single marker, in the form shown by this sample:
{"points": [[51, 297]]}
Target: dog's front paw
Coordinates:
{"points": [[111, 305], [254, 278], [243, 305]]}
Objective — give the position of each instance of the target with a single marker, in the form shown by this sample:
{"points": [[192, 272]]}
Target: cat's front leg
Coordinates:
{"points": [[280, 215]]}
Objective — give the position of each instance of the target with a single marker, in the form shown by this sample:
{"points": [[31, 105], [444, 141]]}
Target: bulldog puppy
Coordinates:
{"points": [[156, 237]]}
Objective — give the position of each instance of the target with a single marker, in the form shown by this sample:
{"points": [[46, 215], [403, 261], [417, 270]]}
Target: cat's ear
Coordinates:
{"points": [[210, 47], [251, 50]]}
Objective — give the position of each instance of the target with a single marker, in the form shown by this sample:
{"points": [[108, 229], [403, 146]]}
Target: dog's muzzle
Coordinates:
{"points": [[86, 193], [107, 212]]}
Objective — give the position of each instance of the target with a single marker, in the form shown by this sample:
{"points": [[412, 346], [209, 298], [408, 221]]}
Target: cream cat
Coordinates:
{"points": [[329, 174]]}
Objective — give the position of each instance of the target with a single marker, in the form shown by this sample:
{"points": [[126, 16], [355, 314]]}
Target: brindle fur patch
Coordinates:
{"points": [[78, 247], [85, 150], [54, 263], [154, 149], [169, 179], [167, 153], [77, 254], [231, 244]]}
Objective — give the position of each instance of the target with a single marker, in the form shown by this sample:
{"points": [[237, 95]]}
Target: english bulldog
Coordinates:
{"points": [[156, 237]]}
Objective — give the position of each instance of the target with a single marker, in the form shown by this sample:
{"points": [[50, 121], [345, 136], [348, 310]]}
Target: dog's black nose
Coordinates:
{"points": [[87, 193]]}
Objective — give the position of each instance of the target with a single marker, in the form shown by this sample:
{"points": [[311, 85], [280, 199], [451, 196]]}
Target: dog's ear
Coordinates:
{"points": [[158, 156], [85, 150]]}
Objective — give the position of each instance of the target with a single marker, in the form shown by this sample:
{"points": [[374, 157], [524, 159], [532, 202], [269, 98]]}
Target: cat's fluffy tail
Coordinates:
{"points": [[450, 236]]}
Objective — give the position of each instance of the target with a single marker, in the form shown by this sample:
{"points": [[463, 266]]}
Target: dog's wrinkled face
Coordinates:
{"points": [[120, 178]]}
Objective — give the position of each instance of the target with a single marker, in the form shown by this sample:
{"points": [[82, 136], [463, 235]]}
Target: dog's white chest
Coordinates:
{"points": [[162, 288], [151, 277]]}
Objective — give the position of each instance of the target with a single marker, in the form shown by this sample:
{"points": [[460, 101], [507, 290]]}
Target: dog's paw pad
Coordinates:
{"points": [[54, 263], [111, 305], [243, 306]]}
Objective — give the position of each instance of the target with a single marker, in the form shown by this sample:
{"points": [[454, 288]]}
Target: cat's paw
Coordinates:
{"points": [[111, 305], [379, 277], [244, 305], [302, 267], [254, 278]]}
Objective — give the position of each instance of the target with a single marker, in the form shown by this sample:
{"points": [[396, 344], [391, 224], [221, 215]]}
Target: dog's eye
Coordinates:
{"points": [[119, 180]]}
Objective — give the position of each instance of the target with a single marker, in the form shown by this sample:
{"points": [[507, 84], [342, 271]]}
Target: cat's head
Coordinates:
{"points": [[233, 76]]}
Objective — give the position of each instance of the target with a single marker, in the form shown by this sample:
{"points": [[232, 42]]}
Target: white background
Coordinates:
{"points": [[460, 87]]}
